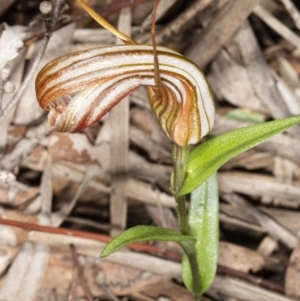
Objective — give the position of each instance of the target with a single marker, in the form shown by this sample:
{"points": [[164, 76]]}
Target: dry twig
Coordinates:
{"points": [[178, 24], [277, 26], [293, 11], [219, 31], [80, 274], [119, 120], [46, 10]]}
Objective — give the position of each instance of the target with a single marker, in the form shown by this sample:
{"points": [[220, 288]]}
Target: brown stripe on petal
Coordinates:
{"points": [[184, 107], [87, 119], [73, 63], [97, 98], [188, 127], [165, 108]]}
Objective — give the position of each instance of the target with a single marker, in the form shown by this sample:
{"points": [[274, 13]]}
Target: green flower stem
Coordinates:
{"points": [[180, 155]]}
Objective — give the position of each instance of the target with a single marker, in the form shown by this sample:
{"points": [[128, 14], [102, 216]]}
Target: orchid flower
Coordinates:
{"points": [[80, 88]]}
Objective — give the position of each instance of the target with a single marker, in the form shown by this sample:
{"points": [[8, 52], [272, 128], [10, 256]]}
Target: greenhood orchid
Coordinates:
{"points": [[81, 87]]}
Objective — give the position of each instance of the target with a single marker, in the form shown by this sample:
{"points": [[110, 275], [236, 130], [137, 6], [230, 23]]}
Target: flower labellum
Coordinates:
{"points": [[81, 87]]}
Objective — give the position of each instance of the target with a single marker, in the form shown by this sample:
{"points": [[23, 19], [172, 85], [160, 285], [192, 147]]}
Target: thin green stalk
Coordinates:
{"points": [[180, 155]]}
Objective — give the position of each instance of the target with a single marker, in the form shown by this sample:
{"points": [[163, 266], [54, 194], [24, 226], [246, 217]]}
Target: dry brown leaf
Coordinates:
{"points": [[240, 258], [15, 193]]}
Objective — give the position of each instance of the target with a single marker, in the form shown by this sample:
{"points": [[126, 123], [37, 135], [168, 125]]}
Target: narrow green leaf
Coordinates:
{"points": [[206, 158], [204, 226], [246, 115], [146, 233]]}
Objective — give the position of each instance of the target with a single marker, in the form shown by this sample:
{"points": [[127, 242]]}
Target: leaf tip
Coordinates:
{"points": [[105, 252]]}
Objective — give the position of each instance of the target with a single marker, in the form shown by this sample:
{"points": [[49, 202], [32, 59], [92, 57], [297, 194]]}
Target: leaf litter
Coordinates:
{"points": [[52, 178]]}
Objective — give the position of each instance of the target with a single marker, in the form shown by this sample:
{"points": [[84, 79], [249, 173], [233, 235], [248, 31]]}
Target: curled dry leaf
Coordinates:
{"points": [[7, 176], [10, 43], [81, 87]]}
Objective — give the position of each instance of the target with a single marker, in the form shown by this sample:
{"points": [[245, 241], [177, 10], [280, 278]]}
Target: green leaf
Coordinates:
{"points": [[246, 115], [146, 233], [204, 226], [206, 158]]}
